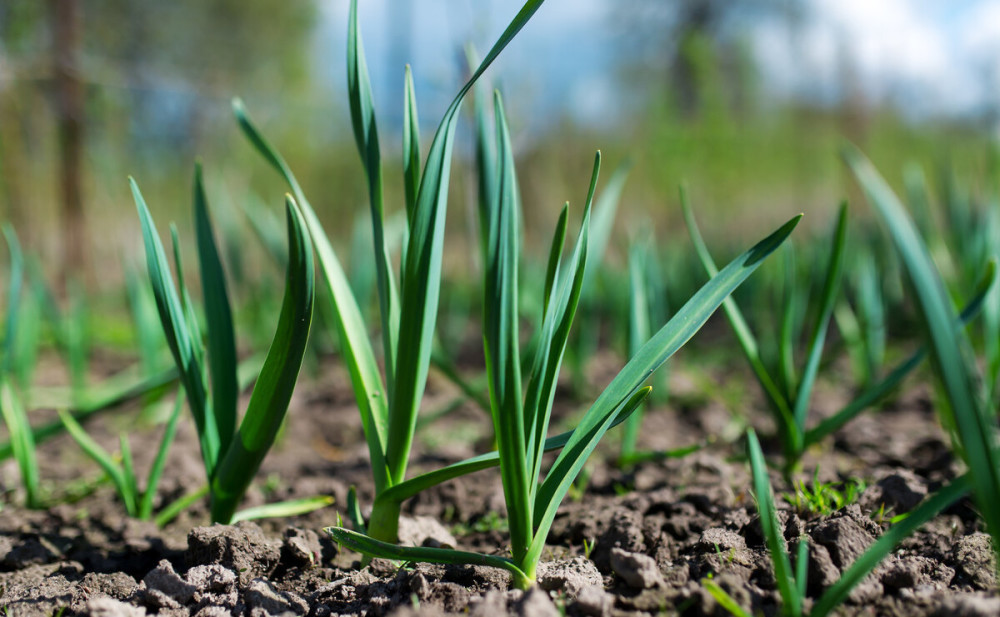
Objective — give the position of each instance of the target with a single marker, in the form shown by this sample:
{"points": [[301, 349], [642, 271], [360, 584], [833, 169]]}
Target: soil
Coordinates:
{"points": [[635, 542]]}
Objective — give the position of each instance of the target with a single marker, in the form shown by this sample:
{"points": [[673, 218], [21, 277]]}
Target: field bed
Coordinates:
{"points": [[641, 542]]}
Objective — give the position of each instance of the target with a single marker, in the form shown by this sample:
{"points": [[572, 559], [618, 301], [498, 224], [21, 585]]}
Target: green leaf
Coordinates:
{"points": [[221, 338], [273, 390], [15, 284], [118, 475], [773, 535], [179, 338], [724, 600], [409, 488], [368, 546], [671, 337], [748, 342], [638, 333], [501, 335], [21, 441], [411, 145], [876, 392], [145, 510], [366, 136], [283, 509], [831, 287], [421, 268]]}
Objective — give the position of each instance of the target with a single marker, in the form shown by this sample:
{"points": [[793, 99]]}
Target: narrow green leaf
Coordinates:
{"points": [[174, 508], [671, 337], [501, 334], [773, 535], [486, 161], [556, 326], [876, 392], [605, 208], [128, 471], [21, 441], [746, 338], [354, 511], [421, 269], [145, 510], [638, 333], [793, 301], [723, 598], [15, 284], [555, 257], [366, 545], [411, 145], [101, 457], [366, 136], [221, 337], [283, 509], [179, 337], [417, 484], [273, 390], [831, 287]]}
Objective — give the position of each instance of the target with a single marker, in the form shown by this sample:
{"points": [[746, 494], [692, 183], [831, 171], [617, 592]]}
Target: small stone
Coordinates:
{"points": [[636, 569], [968, 605], [719, 539], [492, 604], [568, 575], [301, 547], [263, 599], [536, 603], [164, 588], [594, 601], [973, 558], [109, 607], [424, 531]]}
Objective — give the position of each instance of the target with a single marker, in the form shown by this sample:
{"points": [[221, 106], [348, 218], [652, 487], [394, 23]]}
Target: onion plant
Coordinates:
{"points": [[521, 412], [791, 577], [964, 406], [408, 309], [788, 394], [231, 454]]}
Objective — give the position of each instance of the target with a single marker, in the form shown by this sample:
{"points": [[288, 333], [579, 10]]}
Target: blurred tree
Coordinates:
{"points": [[143, 80]]}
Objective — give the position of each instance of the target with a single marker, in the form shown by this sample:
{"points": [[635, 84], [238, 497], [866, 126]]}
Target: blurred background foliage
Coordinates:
{"points": [[94, 90]]}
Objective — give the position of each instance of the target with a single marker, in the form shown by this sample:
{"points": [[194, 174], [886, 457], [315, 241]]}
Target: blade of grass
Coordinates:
{"points": [[273, 390], [219, 317], [283, 509], [100, 456], [773, 535], [179, 338], [411, 145], [145, 510], [368, 546], [831, 287], [21, 440]]}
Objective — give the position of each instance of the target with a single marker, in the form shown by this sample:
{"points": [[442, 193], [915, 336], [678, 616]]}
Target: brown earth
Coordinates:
{"points": [[652, 533]]}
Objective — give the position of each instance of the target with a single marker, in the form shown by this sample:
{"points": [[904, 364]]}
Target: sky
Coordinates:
{"points": [[930, 57]]}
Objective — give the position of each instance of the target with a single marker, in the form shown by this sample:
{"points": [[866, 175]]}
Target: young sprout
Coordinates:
{"points": [[964, 408], [521, 412], [231, 453], [788, 394], [408, 310]]}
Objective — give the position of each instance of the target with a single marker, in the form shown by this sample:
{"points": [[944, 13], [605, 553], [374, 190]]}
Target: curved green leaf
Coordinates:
{"points": [[273, 390]]}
